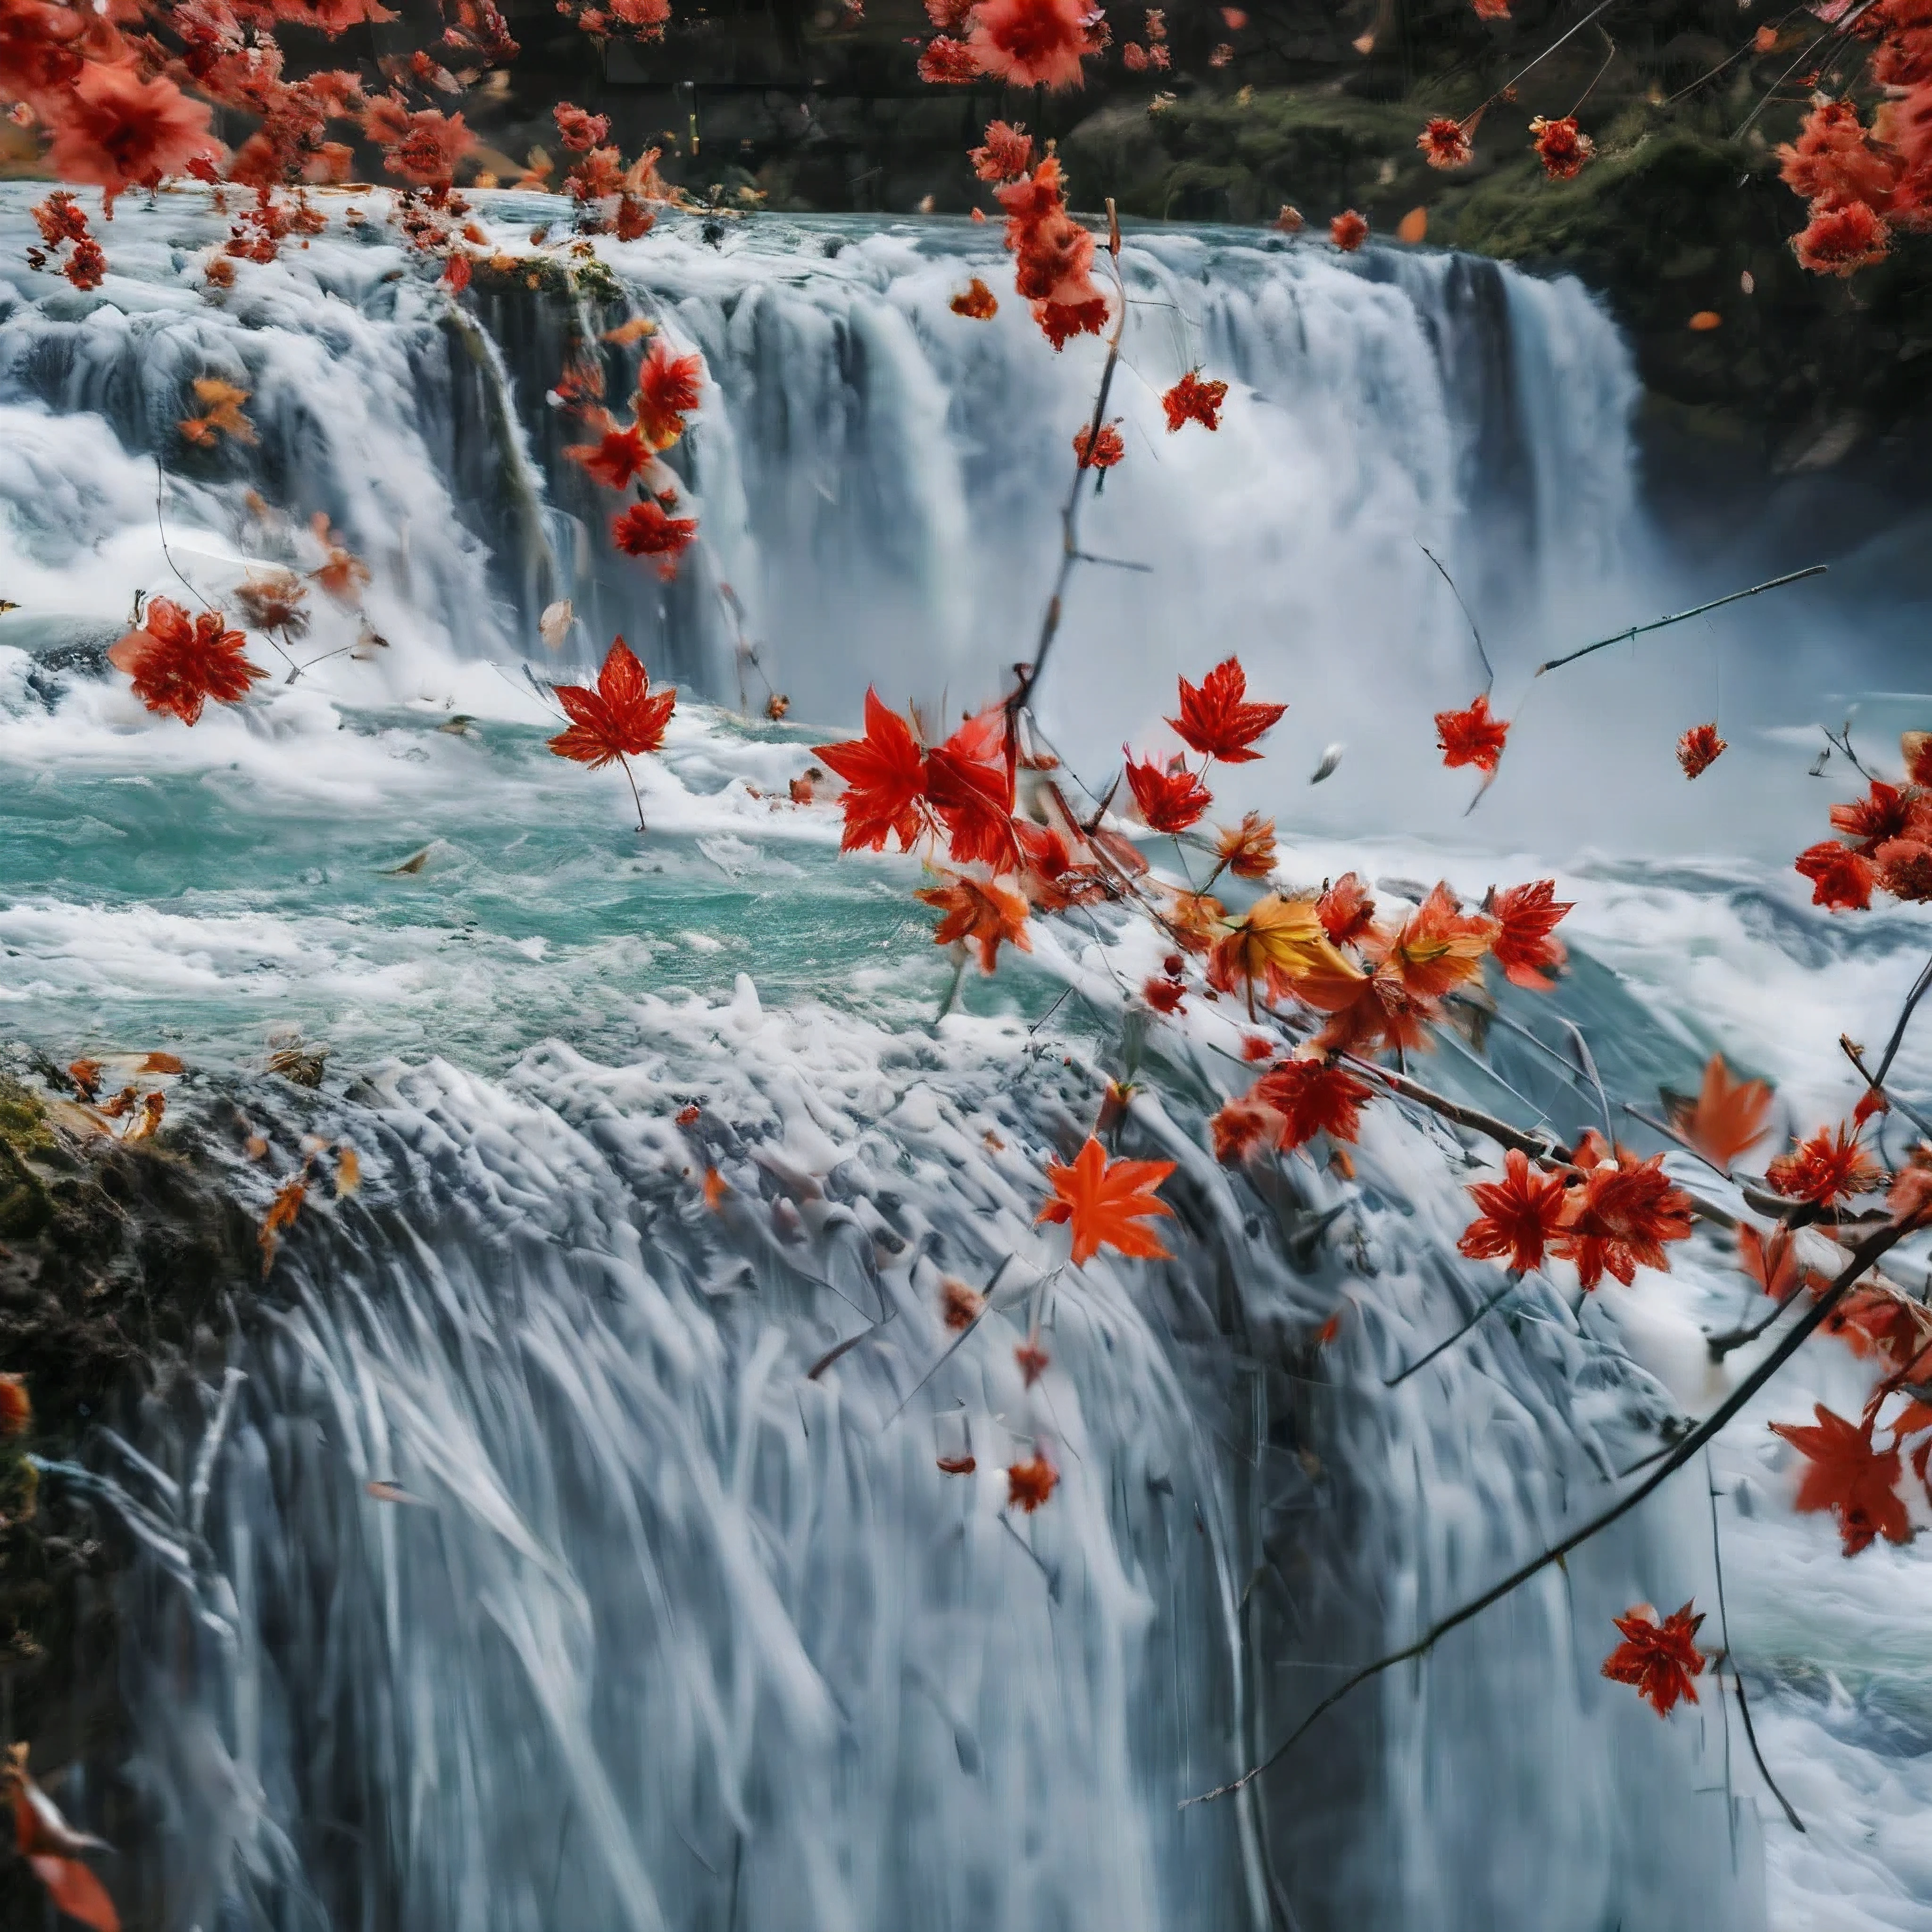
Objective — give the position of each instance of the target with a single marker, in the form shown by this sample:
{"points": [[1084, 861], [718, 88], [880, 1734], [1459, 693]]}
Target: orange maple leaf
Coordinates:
{"points": [[621, 717], [1104, 1201], [1281, 943], [1472, 737], [53, 1849], [1030, 1483], [1524, 947], [1728, 1116], [1247, 850], [981, 911], [1857, 1483]]}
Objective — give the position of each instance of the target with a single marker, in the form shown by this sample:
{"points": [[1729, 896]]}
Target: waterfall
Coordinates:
{"points": [[674, 1624]]}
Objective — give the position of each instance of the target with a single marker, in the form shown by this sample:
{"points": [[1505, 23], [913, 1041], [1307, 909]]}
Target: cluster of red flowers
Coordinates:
{"points": [[1884, 840], [1024, 43], [60, 220], [623, 455], [1561, 146], [643, 20], [1138, 59], [1053, 254]]}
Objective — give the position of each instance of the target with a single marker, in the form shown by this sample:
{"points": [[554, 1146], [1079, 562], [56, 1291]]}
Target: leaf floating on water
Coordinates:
{"points": [[348, 1170], [554, 626], [413, 864], [383, 1492], [296, 1059], [715, 1189]]}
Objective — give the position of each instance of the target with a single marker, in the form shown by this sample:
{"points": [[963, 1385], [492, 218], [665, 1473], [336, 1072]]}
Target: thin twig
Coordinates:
{"points": [[1508, 1289], [1866, 1251], [1853, 1054], [160, 525], [1489, 671], [1598, 76], [1639, 630], [1730, 1656], [1586, 1061], [1919, 987], [1567, 33]]}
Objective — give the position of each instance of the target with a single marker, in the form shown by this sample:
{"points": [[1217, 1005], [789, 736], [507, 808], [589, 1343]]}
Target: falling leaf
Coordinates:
{"points": [[715, 1189], [957, 1466], [282, 1212], [221, 413], [620, 717], [1331, 759], [1747, 283], [1728, 1116], [982, 911], [1033, 1361], [1364, 44], [1217, 720], [383, 1492], [975, 301], [53, 1849], [1659, 1659], [1168, 800], [348, 1170], [1524, 945], [1104, 1201], [414, 863], [554, 626], [625, 333], [1472, 737], [1770, 1260], [1312, 1096], [1193, 400], [1413, 226], [1705, 320], [960, 1304], [1030, 1483], [1847, 1476]]}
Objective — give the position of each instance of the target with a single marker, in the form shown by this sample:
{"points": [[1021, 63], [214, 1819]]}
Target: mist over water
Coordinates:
{"points": [[675, 1633]]}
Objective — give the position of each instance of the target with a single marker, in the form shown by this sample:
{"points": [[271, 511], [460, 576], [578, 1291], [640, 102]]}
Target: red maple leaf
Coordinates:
{"points": [[1346, 910], [622, 717], [885, 778], [1521, 1215], [1856, 1483], [981, 910], [969, 782], [1728, 1116], [1699, 749], [1216, 719], [1840, 878], [1472, 737], [1193, 400], [1525, 915], [1619, 1220], [648, 529], [178, 662], [1830, 1167], [1170, 800], [1104, 1201], [668, 388], [1659, 1659], [1312, 1096]]}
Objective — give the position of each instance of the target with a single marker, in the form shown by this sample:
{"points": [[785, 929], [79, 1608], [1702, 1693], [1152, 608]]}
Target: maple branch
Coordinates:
{"points": [[1919, 989], [1070, 515], [1855, 1055], [1489, 671], [1662, 623], [1538, 1147], [1867, 1251]]}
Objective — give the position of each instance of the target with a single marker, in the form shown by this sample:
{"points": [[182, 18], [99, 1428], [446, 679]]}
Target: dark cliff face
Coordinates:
{"points": [[800, 106]]}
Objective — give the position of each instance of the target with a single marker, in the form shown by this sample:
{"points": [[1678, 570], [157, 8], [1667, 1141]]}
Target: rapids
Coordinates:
{"points": [[673, 1632]]}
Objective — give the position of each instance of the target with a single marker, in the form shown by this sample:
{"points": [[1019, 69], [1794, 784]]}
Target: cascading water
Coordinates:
{"points": [[671, 1630]]}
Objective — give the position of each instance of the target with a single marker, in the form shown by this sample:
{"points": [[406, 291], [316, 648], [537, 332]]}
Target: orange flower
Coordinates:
{"points": [[1830, 1167], [1858, 1484], [621, 718], [615, 459], [1008, 152], [1030, 1483], [1216, 720], [178, 663], [1699, 749], [1620, 1219], [1439, 947], [981, 911], [1522, 946], [1312, 1096], [1521, 1215], [1247, 850], [1280, 944], [1446, 143], [1193, 400], [1885, 812], [1659, 1659], [975, 301], [1241, 1126], [1561, 146], [1840, 879], [1104, 1201], [1348, 231], [885, 778], [646, 529], [1031, 43], [1472, 737], [1099, 449]]}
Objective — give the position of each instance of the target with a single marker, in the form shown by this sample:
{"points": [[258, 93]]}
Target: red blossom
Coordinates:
{"points": [[1699, 749], [885, 778], [579, 131], [1346, 910], [1216, 719], [1472, 737], [178, 662], [1446, 143], [647, 529], [1525, 916], [1170, 800], [1840, 879], [669, 388], [1165, 996], [1520, 1215], [1099, 448], [1032, 43], [1561, 146], [1834, 161], [615, 459], [1193, 400], [1240, 1127], [1830, 1167], [1007, 153], [114, 131], [1348, 231], [1841, 239], [975, 301], [948, 63], [427, 149], [1886, 812], [1620, 1219], [1661, 1659], [1030, 1483]]}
